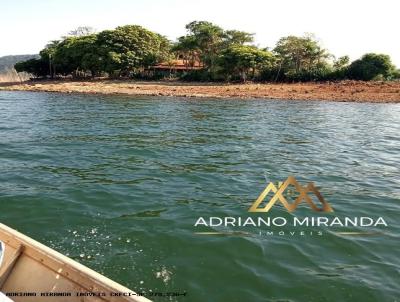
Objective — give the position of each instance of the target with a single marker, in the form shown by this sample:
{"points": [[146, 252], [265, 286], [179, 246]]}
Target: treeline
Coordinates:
{"points": [[224, 55]]}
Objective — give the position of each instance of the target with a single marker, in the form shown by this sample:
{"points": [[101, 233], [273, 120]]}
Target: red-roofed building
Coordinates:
{"points": [[178, 65]]}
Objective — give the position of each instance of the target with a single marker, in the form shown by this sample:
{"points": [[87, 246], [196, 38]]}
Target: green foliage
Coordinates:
{"points": [[130, 50], [341, 62], [187, 49], [123, 51], [271, 74], [196, 76], [76, 53], [371, 66], [36, 67], [299, 53], [207, 39], [243, 61], [396, 74], [301, 58], [238, 37], [320, 73], [339, 68]]}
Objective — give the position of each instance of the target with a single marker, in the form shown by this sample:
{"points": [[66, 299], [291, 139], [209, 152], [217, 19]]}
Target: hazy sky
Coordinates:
{"points": [[351, 27]]}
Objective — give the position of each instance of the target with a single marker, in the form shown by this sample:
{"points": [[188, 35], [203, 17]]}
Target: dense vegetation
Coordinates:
{"points": [[131, 51]]}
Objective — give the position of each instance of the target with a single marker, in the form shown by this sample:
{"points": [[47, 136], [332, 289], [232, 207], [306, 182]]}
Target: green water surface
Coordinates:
{"points": [[117, 184]]}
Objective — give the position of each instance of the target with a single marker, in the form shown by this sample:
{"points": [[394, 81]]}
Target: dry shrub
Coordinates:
{"points": [[11, 75]]}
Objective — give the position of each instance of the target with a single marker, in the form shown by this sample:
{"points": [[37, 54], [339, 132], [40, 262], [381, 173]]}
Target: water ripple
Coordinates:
{"points": [[118, 182]]}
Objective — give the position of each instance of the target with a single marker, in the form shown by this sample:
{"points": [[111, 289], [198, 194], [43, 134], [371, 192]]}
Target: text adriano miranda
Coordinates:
{"points": [[363, 221]]}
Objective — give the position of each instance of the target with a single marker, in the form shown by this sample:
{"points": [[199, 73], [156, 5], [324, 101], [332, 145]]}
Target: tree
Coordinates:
{"points": [[300, 56], [123, 51], [47, 56], [225, 54], [240, 60], [82, 31], [238, 37], [339, 68], [371, 66], [187, 49], [207, 38], [131, 48], [341, 62], [75, 54], [205, 41], [42, 66], [36, 67]]}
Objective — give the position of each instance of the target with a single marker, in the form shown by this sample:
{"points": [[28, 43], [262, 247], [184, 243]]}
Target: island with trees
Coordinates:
{"points": [[207, 61]]}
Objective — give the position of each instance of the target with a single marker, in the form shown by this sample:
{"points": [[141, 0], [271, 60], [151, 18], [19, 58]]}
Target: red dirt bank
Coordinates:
{"points": [[348, 91]]}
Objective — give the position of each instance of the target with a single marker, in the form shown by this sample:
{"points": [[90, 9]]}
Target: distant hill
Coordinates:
{"points": [[7, 62], [7, 71]]}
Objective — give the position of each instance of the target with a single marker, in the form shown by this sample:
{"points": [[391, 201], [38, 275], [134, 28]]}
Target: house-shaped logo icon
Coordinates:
{"points": [[280, 196]]}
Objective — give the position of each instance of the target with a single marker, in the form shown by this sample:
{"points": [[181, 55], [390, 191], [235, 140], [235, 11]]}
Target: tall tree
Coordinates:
{"points": [[131, 48], [82, 31], [300, 54], [77, 54], [244, 60], [341, 62], [238, 37], [208, 38], [188, 50], [205, 41]]}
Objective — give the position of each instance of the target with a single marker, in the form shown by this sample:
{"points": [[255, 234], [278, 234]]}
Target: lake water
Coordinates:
{"points": [[117, 183]]}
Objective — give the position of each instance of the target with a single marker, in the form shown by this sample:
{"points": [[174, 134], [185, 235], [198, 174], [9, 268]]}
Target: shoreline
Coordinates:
{"points": [[345, 91]]}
